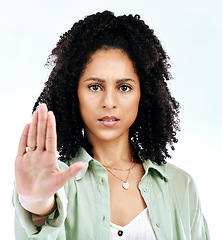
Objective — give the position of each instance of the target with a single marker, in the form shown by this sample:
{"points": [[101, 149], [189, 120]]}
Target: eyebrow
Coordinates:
{"points": [[102, 80]]}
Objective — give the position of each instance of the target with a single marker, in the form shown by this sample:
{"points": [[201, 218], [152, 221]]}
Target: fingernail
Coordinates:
{"points": [[50, 113]]}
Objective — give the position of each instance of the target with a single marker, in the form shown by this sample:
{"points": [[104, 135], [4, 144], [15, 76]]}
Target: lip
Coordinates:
{"points": [[109, 121]]}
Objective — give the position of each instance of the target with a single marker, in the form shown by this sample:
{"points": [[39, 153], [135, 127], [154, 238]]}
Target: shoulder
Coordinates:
{"points": [[181, 186], [181, 181], [185, 199], [174, 178], [177, 174], [169, 171]]}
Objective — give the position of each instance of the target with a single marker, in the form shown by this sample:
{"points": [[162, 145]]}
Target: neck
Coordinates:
{"points": [[117, 153]]}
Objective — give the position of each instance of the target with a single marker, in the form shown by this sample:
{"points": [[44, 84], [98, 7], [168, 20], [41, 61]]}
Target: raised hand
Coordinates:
{"points": [[36, 170]]}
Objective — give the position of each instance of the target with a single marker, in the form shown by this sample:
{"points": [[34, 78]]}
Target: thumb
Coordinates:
{"points": [[71, 172]]}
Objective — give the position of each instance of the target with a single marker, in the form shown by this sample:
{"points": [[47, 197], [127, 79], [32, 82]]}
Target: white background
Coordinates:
{"points": [[191, 33]]}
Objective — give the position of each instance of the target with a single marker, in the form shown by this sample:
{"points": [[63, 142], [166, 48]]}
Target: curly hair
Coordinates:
{"points": [[157, 120]]}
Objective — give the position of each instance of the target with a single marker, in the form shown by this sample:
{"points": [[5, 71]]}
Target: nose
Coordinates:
{"points": [[109, 99]]}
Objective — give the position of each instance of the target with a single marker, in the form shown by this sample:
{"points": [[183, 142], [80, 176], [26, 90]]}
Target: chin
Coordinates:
{"points": [[106, 135]]}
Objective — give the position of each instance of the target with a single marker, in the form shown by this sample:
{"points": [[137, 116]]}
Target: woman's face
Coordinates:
{"points": [[109, 95]]}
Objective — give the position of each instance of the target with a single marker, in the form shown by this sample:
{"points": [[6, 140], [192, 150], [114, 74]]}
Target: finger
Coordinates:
{"points": [[70, 173], [23, 140], [33, 130], [51, 133], [41, 126]]}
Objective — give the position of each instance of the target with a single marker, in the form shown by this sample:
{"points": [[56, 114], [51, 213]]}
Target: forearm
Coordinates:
{"points": [[26, 223]]}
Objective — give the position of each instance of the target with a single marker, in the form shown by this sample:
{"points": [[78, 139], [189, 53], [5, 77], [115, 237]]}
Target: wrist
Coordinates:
{"points": [[40, 208]]}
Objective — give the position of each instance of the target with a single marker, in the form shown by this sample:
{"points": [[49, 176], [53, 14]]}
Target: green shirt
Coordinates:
{"points": [[83, 205]]}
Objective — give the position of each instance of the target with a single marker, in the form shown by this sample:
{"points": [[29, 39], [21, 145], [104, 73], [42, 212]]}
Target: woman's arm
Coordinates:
{"points": [[37, 176]]}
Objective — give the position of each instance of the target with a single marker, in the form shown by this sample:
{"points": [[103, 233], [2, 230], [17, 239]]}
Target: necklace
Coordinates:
{"points": [[125, 184], [119, 169]]}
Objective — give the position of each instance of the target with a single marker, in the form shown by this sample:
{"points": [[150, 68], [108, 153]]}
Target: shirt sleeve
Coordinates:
{"points": [[54, 226], [199, 228]]}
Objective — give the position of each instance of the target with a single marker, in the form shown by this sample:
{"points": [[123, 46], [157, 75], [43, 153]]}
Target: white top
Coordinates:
{"points": [[139, 228]]}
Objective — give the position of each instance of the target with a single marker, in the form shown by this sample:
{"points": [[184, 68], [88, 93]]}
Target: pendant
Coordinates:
{"points": [[126, 185]]}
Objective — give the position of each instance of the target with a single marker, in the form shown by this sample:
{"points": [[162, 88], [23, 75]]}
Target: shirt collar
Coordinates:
{"points": [[83, 156], [161, 169]]}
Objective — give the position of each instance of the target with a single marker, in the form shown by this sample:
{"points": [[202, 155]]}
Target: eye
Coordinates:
{"points": [[125, 88], [94, 88]]}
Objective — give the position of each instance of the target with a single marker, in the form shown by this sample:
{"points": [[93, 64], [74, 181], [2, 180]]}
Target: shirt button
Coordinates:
{"points": [[145, 189], [158, 225], [101, 180], [120, 233], [104, 218]]}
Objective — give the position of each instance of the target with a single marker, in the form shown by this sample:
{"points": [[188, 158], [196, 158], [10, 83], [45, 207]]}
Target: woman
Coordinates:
{"points": [[115, 118]]}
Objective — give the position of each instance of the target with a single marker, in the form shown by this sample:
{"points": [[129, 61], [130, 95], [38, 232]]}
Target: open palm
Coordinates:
{"points": [[36, 171]]}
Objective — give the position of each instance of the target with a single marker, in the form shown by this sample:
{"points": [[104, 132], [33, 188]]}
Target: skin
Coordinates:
{"points": [[36, 172], [109, 86]]}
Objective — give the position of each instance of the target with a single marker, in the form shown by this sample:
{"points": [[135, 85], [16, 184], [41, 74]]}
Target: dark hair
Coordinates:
{"points": [[157, 121]]}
